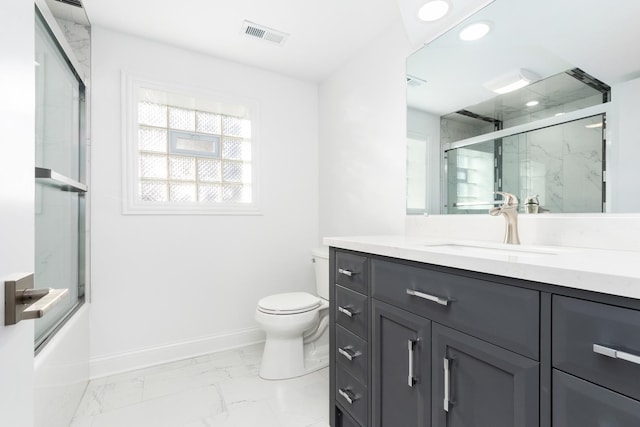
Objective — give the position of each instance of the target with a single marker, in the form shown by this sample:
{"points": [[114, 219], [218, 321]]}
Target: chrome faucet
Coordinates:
{"points": [[509, 209]]}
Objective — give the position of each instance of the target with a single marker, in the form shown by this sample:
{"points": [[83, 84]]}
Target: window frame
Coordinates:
{"points": [[131, 203]]}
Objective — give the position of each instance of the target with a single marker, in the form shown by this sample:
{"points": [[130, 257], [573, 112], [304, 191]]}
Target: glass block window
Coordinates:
{"points": [[192, 157]]}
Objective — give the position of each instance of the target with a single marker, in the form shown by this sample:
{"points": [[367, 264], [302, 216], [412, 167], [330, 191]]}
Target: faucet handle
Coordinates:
{"points": [[508, 198]]}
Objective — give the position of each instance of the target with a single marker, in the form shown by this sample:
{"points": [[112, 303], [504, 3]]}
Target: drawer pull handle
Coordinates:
{"points": [[348, 353], [346, 310], [348, 395], [411, 345], [439, 300], [348, 273], [616, 354], [447, 384]]}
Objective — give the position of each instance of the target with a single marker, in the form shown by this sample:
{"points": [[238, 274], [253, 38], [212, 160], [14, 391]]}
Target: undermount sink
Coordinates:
{"points": [[491, 249]]}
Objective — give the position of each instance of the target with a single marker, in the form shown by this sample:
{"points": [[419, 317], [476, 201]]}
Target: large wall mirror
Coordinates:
{"points": [[569, 141]]}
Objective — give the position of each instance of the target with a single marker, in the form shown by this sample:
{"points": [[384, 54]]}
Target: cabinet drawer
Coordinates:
{"points": [[579, 403], [353, 354], [352, 272], [352, 311], [352, 395], [343, 419], [504, 315], [580, 325]]}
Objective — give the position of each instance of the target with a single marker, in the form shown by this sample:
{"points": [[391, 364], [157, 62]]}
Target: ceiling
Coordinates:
{"points": [[323, 33]]}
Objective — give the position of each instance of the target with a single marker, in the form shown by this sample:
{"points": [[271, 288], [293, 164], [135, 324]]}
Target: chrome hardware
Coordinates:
{"points": [[616, 354], [348, 395], [347, 310], [447, 388], [348, 273], [54, 179], [348, 353], [439, 300], [509, 209], [411, 381], [22, 301]]}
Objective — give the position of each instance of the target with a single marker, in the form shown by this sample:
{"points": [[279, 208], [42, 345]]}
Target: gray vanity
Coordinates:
{"points": [[420, 344]]}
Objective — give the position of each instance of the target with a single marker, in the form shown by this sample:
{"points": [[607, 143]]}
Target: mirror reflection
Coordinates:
{"points": [[564, 140]]}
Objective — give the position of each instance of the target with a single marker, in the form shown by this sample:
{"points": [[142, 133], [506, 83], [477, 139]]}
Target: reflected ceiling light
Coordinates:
{"points": [[474, 31], [532, 103], [559, 114], [512, 81], [433, 10], [594, 125]]}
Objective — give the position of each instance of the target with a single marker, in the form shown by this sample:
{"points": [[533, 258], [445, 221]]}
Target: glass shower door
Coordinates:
{"points": [[60, 192]]}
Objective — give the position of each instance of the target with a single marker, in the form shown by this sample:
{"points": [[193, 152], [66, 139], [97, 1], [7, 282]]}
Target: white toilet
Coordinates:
{"points": [[296, 327]]}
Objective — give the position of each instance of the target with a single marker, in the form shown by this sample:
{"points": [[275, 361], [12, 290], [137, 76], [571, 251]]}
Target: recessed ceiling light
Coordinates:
{"points": [[593, 126], [433, 10], [474, 31], [532, 103]]}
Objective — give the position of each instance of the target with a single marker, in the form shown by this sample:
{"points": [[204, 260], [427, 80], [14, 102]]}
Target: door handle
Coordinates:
{"points": [[347, 311], [348, 353], [447, 384], [411, 345], [616, 354], [347, 395], [346, 272], [428, 297], [23, 302]]}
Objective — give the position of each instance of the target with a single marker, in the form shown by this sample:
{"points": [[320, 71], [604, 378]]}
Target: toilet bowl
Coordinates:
{"points": [[296, 327]]}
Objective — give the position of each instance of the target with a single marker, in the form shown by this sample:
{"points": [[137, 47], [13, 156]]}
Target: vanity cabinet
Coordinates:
{"points": [[401, 380], [476, 383], [424, 345]]}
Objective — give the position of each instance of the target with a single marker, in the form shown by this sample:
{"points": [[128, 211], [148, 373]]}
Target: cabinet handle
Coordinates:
{"points": [[347, 310], [348, 353], [348, 395], [616, 354], [346, 272], [411, 345], [439, 300], [447, 385]]}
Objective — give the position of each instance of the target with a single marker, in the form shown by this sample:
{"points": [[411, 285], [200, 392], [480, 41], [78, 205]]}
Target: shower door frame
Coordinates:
{"points": [[43, 13]]}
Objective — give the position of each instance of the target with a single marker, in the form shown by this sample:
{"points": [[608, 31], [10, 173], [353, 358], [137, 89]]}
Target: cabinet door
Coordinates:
{"points": [[476, 383], [401, 368], [579, 403]]}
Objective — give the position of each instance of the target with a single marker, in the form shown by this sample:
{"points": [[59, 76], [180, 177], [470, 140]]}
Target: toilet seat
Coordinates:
{"points": [[289, 303]]}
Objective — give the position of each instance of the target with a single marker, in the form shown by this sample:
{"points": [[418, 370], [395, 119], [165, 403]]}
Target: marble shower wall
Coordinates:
{"points": [[561, 164], [79, 38]]}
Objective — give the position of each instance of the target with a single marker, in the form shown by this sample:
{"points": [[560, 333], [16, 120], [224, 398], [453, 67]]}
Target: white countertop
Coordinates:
{"points": [[604, 271]]}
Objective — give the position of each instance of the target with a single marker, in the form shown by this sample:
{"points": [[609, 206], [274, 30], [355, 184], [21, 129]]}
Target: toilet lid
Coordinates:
{"points": [[289, 303]]}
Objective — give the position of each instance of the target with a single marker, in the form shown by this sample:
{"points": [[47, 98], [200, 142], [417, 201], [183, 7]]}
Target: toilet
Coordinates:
{"points": [[296, 326]]}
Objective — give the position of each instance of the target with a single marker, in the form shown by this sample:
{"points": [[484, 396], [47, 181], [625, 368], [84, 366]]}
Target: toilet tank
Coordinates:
{"points": [[321, 264]]}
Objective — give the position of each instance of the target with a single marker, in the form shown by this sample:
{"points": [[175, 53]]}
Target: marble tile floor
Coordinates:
{"points": [[217, 390]]}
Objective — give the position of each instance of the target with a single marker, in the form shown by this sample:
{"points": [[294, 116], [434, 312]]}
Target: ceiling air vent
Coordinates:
{"points": [[264, 33], [76, 3], [413, 81]]}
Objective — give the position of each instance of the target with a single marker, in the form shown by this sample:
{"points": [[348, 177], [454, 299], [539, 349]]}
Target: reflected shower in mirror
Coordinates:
{"points": [[581, 74]]}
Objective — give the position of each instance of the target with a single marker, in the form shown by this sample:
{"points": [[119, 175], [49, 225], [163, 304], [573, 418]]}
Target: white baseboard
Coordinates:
{"points": [[128, 361]]}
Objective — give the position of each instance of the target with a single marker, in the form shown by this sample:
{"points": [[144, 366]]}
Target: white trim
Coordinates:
{"points": [[130, 86], [143, 358], [538, 124]]}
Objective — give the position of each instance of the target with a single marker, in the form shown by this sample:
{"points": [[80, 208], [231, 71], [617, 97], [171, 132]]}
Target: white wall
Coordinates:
{"points": [[362, 156], [17, 110], [623, 166], [170, 286]]}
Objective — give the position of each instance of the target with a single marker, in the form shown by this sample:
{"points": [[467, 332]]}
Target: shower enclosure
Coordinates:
{"points": [[60, 173]]}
